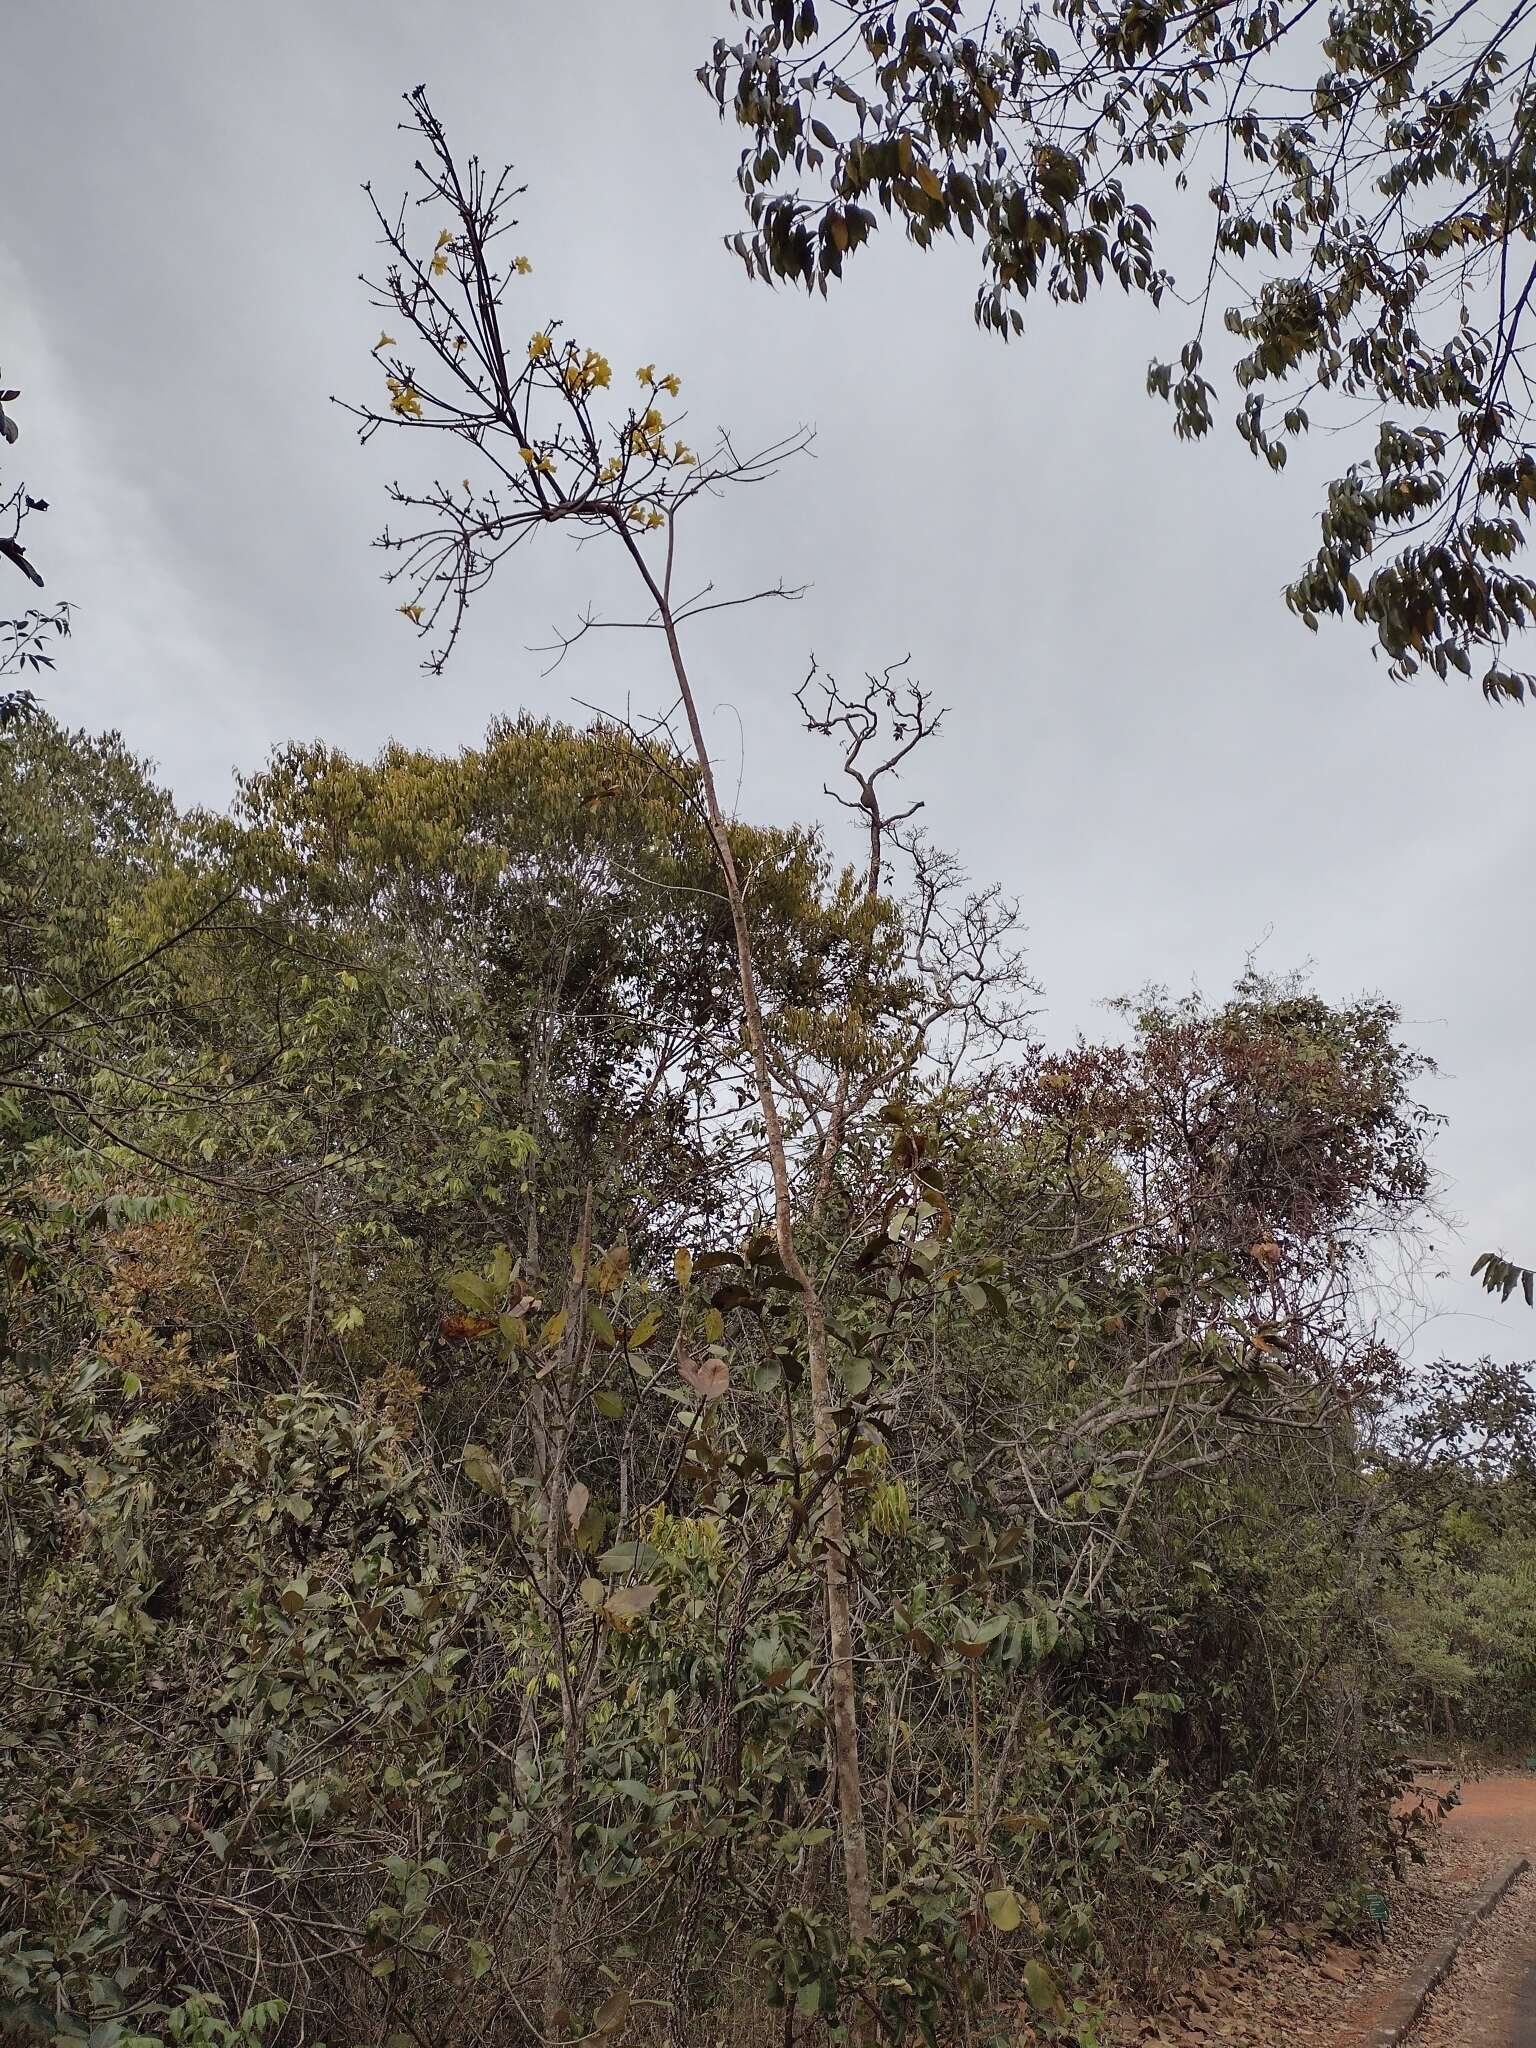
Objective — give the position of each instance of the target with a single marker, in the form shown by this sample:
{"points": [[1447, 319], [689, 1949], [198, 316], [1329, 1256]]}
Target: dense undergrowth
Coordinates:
{"points": [[408, 1562]]}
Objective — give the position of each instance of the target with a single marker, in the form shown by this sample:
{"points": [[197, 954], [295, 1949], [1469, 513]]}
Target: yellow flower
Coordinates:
{"points": [[609, 470], [403, 399], [412, 612], [646, 374], [539, 347], [521, 265], [384, 341], [444, 238], [590, 374], [682, 454], [644, 435], [671, 385]]}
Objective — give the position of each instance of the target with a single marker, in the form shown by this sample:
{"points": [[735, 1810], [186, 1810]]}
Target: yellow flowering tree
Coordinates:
{"points": [[550, 436], [548, 442], [549, 439]]}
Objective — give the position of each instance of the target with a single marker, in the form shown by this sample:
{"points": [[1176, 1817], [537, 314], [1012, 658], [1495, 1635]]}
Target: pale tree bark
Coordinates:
{"points": [[842, 1709]]}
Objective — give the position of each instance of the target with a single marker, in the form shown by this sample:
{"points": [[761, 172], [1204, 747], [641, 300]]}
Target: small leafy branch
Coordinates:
{"points": [[1502, 1276], [22, 640], [18, 503]]}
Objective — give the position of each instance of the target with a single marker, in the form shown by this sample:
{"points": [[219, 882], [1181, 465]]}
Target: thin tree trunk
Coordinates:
{"points": [[555, 2013], [552, 1440], [841, 1701]]}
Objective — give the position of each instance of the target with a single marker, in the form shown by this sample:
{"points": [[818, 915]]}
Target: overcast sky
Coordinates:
{"points": [[1143, 746]]}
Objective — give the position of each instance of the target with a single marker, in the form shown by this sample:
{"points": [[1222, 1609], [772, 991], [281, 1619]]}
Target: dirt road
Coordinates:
{"points": [[1298, 1991], [1489, 1999], [1498, 1811]]}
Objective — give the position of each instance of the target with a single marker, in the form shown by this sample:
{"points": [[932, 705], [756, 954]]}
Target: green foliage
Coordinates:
{"points": [[200, 2022], [412, 1590], [1460, 1614], [1369, 174]]}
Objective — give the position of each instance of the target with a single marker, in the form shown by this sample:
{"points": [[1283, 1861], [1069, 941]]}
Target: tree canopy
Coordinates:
{"points": [[1368, 168]]}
